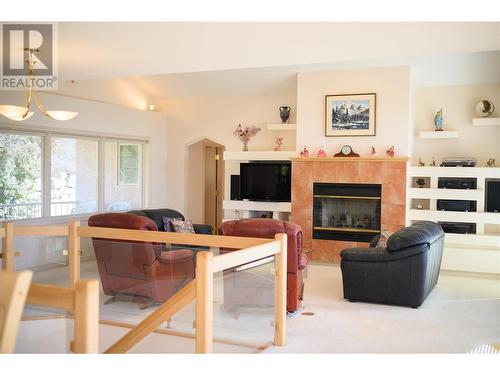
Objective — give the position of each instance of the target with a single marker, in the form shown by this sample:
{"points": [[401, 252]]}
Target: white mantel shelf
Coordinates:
{"points": [[486, 121], [259, 155], [361, 158], [438, 134]]}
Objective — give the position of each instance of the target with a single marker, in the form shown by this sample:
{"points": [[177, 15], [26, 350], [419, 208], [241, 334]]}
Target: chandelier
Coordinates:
{"points": [[18, 113]]}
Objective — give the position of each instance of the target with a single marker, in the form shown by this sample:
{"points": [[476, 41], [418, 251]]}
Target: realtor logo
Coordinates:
{"points": [[28, 56]]}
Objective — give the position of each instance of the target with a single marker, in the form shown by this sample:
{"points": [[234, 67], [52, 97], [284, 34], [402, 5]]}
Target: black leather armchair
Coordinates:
{"points": [[158, 214], [403, 273]]}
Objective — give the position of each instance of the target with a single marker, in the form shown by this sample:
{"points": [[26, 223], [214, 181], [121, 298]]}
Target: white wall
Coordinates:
{"points": [[216, 117], [105, 119], [458, 104], [393, 120]]}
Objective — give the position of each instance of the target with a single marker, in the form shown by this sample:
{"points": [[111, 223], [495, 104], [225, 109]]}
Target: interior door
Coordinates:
{"points": [[213, 186]]}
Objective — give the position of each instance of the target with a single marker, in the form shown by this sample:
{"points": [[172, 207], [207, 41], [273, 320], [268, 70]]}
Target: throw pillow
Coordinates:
{"points": [[181, 226], [384, 236], [167, 223]]}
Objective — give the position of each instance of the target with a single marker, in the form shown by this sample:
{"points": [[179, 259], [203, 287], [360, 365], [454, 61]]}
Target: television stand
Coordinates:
{"points": [[243, 209]]}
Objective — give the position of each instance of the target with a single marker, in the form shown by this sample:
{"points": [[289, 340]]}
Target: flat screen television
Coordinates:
{"points": [[266, 181]]}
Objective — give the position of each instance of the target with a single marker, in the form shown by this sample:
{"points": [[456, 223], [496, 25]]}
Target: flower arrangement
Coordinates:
{"points": [[244, 134]]}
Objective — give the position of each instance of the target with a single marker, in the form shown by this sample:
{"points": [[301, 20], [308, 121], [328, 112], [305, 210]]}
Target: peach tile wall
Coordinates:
{"points": [[391, 174]]}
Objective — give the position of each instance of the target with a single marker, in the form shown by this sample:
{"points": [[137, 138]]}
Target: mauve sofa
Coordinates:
{"points": [[239, 290], [139, 268], [403, 273]]}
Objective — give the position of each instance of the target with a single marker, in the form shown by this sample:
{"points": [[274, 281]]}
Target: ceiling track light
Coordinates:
{"points": [[17, 113]]}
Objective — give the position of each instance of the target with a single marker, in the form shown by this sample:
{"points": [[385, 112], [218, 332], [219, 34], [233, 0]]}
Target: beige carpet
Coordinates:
{"points": [[460, 314]]}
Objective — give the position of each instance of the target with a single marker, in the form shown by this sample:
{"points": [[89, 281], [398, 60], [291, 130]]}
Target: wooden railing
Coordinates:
{"points": [[79, 296]]}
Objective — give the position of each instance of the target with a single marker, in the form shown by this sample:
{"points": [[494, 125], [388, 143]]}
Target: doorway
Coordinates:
{"points": [[205, 182]]}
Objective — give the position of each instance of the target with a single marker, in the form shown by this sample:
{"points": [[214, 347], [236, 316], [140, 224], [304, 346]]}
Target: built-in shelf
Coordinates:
{"points": [[486, 121], [259, 155], [282, 126], [256, 206], [438, 134], [478, 252]]}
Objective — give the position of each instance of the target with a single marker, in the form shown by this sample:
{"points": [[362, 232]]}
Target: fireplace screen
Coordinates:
{"points": [[346, 212]]}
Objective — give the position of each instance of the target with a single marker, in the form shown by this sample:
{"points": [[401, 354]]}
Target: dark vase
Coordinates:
{"points": [[284, 114]]}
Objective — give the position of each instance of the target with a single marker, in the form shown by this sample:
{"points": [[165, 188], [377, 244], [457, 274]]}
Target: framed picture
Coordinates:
{"points": [[129, 163], [350, 115]]}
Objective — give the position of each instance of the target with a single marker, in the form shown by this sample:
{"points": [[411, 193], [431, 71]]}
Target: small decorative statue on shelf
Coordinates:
{"points": [[420, 182], [491, 163], [372, 151], [246, 134], [390, 152], [433, 162], [421, 163], [305, 152], [438, 120], [321, 153], [278, 142]]}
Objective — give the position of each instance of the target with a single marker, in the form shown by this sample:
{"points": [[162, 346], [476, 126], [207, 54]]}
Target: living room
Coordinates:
{"points": [[358, 184]]}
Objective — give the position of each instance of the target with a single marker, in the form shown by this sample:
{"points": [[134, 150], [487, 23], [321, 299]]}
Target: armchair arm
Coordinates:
{"points": [[202, 229], [380, 254]]}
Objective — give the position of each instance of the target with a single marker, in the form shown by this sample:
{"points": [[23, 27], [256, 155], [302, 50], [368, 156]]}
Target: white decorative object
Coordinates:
{"points": [[485, 108]]}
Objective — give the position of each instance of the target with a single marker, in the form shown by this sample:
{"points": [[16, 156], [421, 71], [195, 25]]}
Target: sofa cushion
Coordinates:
{"points": [[182, 226], [157, 215], [420, 233], [175, 256]]}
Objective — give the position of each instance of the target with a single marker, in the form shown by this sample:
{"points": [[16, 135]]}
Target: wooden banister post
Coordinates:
{"points": [[204, 302], [8, 247], [280, 261], [86, 316], [73, 253]]}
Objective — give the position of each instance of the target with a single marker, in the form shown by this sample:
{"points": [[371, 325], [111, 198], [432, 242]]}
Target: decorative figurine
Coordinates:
{"points": [[321, 153], [245, 134], [390, 152], [491, 163], [305, 152], [419, 206], [372, 151], [484, 108], [438, 120], [277, 143], [284, 113], [420, 182], [421, 163], [433, 162]]}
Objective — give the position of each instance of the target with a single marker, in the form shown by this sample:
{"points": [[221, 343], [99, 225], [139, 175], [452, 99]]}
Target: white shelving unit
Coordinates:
{"points": [[478, 252], [486, 121], [259, 155], [246, 209], [438, 134], [280, 127]]}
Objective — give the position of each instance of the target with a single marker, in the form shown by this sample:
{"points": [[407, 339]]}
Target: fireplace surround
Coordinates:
{"points": [[389, 173]]}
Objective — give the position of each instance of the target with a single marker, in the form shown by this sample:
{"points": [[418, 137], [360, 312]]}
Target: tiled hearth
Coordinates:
{"points": [[390, 173]]}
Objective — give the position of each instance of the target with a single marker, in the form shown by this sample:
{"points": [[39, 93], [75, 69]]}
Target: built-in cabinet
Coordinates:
{"points": [[473, 252]]}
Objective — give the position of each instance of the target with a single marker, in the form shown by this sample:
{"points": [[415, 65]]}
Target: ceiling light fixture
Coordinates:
{"points": [[17, 113]]}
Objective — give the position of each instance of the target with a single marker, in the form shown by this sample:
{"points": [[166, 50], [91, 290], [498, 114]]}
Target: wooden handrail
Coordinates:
{"points": [[51, 296], [153, 321], [41, 230], [2, 232], [236, 258], [173, 238]]}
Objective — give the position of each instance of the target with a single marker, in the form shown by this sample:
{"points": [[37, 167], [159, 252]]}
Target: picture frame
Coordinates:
{"points": [[350, 115], [129, 163]]}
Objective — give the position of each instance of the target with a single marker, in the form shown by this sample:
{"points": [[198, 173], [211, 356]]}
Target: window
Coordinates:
{"points": [[78, 179], [73, 176], [20, 176], [123, 183]]}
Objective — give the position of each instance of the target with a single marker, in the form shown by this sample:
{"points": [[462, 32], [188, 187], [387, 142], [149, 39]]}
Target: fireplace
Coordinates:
{"points": [[346, 212]]}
